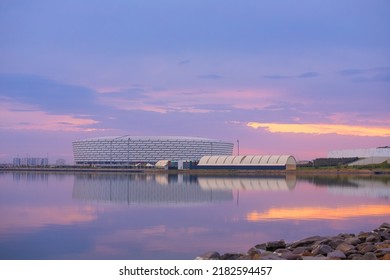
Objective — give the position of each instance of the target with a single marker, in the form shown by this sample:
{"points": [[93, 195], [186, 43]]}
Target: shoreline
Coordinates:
{"points": [[372, 245], [299, 171]]}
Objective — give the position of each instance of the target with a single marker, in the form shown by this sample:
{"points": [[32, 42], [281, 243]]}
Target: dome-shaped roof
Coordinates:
{"points": [[249, 161]]}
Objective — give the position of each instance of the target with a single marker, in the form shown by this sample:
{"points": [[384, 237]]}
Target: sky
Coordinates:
{"points": [[282, 77]]}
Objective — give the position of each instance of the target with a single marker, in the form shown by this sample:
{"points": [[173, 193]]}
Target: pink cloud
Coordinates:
{"points": [[190, 101], [17, 116]]}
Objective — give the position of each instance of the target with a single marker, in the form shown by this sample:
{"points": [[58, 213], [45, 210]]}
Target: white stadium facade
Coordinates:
{"points": [[128, 150]]}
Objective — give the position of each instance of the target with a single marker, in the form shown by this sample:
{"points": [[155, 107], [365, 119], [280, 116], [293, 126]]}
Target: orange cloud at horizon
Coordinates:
{"points": [[340, 129], [319, 213]]}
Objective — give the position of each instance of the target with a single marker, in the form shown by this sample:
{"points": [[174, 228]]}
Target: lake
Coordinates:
{"points": [[177, 216]]}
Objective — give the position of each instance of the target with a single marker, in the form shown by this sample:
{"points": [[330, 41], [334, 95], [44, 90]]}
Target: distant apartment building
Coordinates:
{"points": [[60, 161], [30, 161]]}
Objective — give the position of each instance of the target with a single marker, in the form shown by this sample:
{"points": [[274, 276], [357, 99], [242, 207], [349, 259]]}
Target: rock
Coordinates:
{"points": [[336, 254], [255, 250], [384, 225], [307, 241], [384, 236], [267, 255], [273, 245], [262, 246], [244, 257], [270, 257], [353, 241], [360, 246], [230, 256], [364, 246], [345, 248], [324, 241], [321, 250], [369, 256], [384, 250], [345, 235], [300, 250], [286, 254], [212, 255], [351, 252], [367, 248], [373, 238], [380, 252], [362, 236], [281, 250], [355, 257], [336, 242], [386, 257], [319, 257], [255, 257], [289, 256], [307, 254], [382, 245]]}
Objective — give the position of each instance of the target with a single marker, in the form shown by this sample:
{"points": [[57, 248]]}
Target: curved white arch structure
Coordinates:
{"points": [[286, 162]]}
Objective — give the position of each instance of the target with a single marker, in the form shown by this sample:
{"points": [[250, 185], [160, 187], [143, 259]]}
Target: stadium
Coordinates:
{"points": [[130, 150]]}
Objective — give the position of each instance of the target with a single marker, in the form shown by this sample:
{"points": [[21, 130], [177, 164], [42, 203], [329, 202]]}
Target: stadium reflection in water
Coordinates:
{"points": [[165, 188], [177, 216]]}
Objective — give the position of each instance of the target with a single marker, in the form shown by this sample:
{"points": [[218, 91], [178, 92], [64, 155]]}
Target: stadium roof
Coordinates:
{"points": [[171, 138]]}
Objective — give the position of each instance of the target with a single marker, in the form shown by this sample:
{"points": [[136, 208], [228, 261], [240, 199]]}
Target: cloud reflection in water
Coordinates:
{"points": [[320, 213]]}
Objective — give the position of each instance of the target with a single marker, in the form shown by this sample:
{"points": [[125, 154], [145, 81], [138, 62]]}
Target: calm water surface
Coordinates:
{"points": [[120, 216]]}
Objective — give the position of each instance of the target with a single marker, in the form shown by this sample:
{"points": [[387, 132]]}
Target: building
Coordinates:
{"points": [[365, 156], [130, 150], [30, 161], [60, 162], [248, 162], [360, 153]]}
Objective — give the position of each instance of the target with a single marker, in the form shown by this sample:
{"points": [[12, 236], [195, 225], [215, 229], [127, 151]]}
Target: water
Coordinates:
{"points": [[139, 216]]}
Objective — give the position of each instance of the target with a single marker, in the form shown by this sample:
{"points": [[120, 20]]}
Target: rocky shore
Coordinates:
{"points": [[373, 245]]}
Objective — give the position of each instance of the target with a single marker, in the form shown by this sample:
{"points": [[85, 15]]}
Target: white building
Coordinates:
{"points": [[30, 161], [248, 162], [122, 150], [361, 153]]}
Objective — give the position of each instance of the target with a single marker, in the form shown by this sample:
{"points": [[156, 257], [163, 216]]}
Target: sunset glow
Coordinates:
{"points": [[323, 129], [319, 213], [35, 217], [151, 71], [21, 117]]}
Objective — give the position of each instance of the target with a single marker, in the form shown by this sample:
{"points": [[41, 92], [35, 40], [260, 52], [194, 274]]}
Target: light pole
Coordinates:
{"points": [[128, 152], [238, 147]]}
